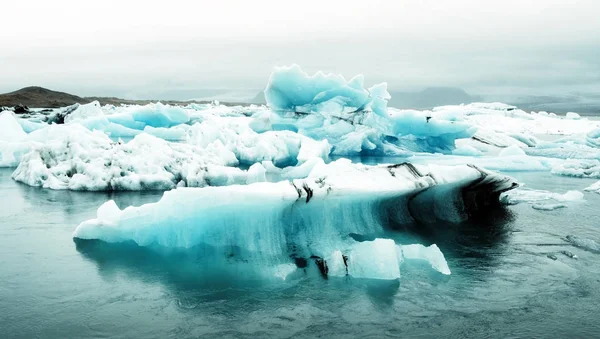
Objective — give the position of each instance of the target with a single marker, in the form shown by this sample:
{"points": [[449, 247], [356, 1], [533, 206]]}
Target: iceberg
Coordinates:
{"points": [[86, 111], [578, 168], [77, 159], [283, 148], [352, 119], [311, 218], [291, 89]]}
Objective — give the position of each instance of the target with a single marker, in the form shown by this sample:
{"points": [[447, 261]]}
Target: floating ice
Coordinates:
{"points": [[511, 151], [375, 259], [593, 188], [578, 168], [538, 198], [547, 207], [84, 160], [354, 120], [30, 126], [283, 148], [291, 89], [82, 112], [310, 217], [587, 244], [431, 254], [10, 129]]}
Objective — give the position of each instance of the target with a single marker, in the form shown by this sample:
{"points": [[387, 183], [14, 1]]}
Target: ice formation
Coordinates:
{"points": [[430, 254], [86, 111], [593, 188], [273, 163], [13, 140], [541, 200], [310, 217], [353, 119], [587, 244], [291, 89], [91, 161]]}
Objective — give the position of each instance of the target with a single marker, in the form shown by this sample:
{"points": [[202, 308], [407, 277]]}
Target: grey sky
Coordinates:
{"points": [[145, 48]]}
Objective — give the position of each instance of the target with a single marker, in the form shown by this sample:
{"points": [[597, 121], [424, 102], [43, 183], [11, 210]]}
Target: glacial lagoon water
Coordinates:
{"points": [[503, 282]]}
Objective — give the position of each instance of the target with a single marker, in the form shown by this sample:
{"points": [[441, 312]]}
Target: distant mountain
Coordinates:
{"points": [[431, 97], [39, 97]]}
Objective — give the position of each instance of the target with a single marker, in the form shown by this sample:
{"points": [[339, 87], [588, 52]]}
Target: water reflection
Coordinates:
{"points": [[483, 238], [71, 202], [196, 276]]}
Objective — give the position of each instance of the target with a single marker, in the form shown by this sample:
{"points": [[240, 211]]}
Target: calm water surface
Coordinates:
{"points": [[502, 285]]}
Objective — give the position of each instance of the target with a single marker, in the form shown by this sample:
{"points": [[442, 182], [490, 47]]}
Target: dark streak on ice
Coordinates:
{"points": [[299, 191], [485, 191], [322, 265], [309, 192], [411, 168], [345, 257]]}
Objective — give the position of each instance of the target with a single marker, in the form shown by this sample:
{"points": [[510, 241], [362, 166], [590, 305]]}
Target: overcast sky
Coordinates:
{"points": [[138, 49]]}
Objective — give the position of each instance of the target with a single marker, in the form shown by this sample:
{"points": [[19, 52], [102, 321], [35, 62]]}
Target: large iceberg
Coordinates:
{"points": [[353, 119], [77, 159], [291, 89], [308, 218]]}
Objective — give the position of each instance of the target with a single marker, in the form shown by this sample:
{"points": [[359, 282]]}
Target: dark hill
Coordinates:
{"points": [[39, 97]]}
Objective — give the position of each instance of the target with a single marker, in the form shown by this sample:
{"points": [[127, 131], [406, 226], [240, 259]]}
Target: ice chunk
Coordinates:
{"points": [[109, 212], [578, 168], [111, 129], [77, 159], [375, 259], [593, 188], [256, 173], [431, 254], [572, 116], [283, 271], [159, 115], [537, 197], [283, 148], [30, 126], [177, 133], [291, 89], [587, 244], [467, 151], [10, 129], [547, 207], [82, 112], [13, 143], [512, 151], [380, 97]]}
